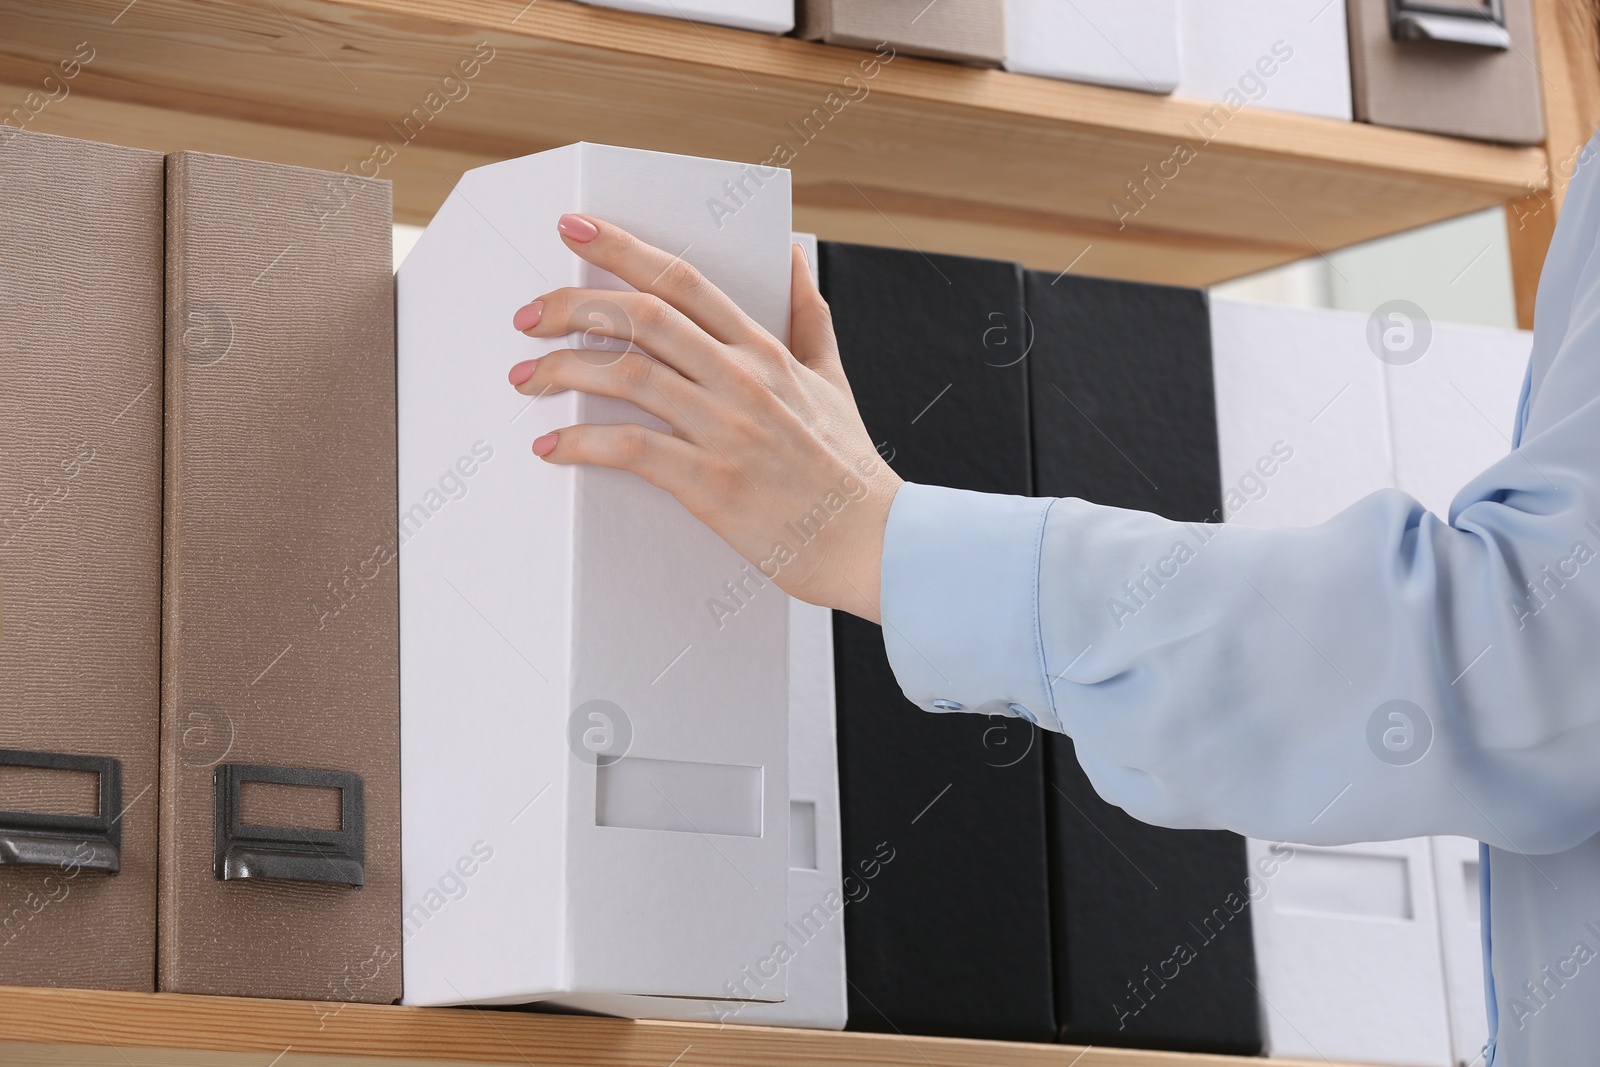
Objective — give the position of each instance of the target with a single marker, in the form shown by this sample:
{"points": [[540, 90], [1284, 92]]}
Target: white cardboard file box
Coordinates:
{"points": [[815, 932], [812, 969], [1456, 872], [1348, 944], [810, 964], [1286, 55], [815, 975], [1453, 409], [767, 16], [596, 773], [1451, 415], [1301, 425], [1347, 949], [1130, 44]]}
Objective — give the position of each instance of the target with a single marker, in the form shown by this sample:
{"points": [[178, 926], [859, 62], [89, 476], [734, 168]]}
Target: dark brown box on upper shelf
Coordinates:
{"points": [[1463, 75], [969, 31]]}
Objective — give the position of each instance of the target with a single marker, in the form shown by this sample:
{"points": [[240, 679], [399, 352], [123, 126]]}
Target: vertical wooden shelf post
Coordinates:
{"points": [[1569, 61]]}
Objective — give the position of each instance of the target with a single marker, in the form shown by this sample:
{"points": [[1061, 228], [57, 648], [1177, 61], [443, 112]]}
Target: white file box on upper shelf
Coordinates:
{"points": [[1131, 44], [767, 16], [1286, 55], [596, 773]]}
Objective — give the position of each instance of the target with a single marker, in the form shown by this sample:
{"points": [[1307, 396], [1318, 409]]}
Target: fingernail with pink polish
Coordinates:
{"points": [[542, 446], [578, 228], [522, 371], [528, 316]]}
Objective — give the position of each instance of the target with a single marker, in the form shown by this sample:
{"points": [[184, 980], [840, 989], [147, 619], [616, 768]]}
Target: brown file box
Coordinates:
{"points": [[1440, 86], [280, 803], [970, 31], [80, 560]]}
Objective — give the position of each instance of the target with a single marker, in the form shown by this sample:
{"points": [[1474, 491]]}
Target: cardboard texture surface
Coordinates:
{"points": [[1456, 873], [279, 637], [816, 975], [605, 646], [1451, 414], [813, 975], [1452, 410], [968, 31], [80, 541], [1368, 953], [1347, 942], [767, 16], [1131, 44], [947, 930], [1445, 87], [1426, 421], [1287, 55], [1121, 387], [1301, 388]]}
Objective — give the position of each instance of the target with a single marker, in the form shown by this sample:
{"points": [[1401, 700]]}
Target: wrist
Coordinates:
{"points": [[863, 568]]}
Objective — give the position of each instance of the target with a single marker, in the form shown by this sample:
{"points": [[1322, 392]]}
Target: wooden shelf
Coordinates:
{"points": [[73, 1028], [935, 156]]}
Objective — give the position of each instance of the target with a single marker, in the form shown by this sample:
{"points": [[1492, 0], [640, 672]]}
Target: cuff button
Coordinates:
{"points": [[948, 705], [1023, 713]]}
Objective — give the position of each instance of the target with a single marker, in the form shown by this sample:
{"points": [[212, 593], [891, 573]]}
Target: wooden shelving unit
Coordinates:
{"points": [[926, 155], [71, 1028], [934, 155]]}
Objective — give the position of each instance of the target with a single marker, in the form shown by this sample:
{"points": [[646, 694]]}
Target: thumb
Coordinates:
{"points": [[811, 337]]}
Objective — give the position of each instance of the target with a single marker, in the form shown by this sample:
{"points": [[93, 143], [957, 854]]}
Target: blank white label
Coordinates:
{"points": [[1353, 884], [802, 835], [691, 798]]}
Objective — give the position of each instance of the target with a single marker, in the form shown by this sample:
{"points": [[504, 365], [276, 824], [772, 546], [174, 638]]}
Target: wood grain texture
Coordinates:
{"points": [[1569, 58], [1530, 225], [930, 155], [69, 1028]]}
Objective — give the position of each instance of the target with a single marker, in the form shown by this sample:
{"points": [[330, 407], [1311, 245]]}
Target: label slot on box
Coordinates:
{"points": [[1350, 884], [703, 798]]}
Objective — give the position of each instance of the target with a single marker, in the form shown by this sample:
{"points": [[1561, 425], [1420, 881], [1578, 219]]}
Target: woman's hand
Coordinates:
{"points": [[766, 445]]}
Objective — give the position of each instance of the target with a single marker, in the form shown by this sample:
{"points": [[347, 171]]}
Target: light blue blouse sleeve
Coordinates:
{"points": [[1221, 676]]}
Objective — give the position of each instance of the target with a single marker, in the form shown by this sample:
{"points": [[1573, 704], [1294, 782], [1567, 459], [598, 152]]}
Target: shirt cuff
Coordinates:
{"points": [[960, 602]]}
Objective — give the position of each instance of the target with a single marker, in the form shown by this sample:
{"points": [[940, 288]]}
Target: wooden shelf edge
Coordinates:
{"points": [[1508, 171], [936, 157], [69, 1025]]}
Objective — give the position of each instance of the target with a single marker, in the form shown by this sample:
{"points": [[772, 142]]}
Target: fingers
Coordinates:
{"points": [[608, 320], [631, 376], [663, 274], [660, 459], [811, 324]]}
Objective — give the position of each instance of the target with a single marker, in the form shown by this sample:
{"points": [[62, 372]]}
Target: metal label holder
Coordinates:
{"points": [[288, 853], [92, 842], [1420, 20]]}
